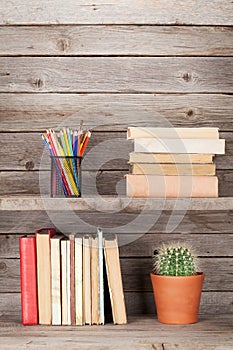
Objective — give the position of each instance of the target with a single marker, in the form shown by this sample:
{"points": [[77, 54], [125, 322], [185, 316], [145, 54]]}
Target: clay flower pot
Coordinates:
{"points": [[177, 298]]}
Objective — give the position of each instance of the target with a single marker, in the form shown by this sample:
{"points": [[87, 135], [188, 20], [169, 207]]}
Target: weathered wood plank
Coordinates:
{"points": [[123, 12], [34, 112], [136, 274], [120, 222], [102, 182], [211, 245], [10, 307], [110, 40], [137, 303], [116, 74], [212, 303], [111, 152]]}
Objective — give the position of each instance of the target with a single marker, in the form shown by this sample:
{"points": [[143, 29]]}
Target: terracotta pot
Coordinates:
{"points": [[177, 298]]}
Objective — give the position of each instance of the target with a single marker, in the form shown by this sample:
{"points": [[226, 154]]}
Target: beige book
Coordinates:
{"points": [[94, 280], [115, 280], [79, 280], [72, 280], [64, 282], [171, 186], [172, 133], [68, 281], [56, 279], [209, 146], [170, 158], [87, 279], [44, 276], [174, 169]]}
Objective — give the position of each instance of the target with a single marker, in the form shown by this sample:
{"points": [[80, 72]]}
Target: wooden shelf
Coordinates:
{"points": [[107, 203], [141, 333]]}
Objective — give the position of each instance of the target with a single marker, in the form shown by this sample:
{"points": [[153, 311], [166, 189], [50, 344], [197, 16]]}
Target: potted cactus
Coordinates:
{"points": [[176, 284]]}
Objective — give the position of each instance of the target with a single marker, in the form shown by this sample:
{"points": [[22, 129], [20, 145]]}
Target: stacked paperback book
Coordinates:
{"points": [[173, 162], [63, 279]]}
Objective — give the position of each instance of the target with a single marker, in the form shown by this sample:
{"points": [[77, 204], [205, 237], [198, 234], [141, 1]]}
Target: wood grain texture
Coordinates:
{"points": [[136, 274], [137, 303], [212, 303], [119, 222], [208, 245], [123, 12], [111, 152], [34, 112], [116, 74], [93, 183], [110, 40]]}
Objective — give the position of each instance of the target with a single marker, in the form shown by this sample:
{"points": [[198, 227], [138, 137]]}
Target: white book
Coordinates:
{"points": [[56, 280], [68, 281], [100, 276], [64, 283], [172, 133], [208, 146], [79, 280], [87, 279]]}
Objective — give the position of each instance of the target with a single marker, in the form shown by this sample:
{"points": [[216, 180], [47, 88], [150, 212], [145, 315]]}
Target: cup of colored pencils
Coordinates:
{"points": [[66, 149]]}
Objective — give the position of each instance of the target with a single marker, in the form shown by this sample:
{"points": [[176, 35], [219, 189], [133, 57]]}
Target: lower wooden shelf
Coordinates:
{"points": [[141, 333]]}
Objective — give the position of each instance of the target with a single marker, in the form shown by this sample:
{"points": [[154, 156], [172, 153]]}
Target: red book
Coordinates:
{"points": [[28, 279]]}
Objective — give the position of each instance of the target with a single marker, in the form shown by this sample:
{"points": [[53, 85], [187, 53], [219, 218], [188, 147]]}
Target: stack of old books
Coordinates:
{"points": [[63, 279], [173, 162]]}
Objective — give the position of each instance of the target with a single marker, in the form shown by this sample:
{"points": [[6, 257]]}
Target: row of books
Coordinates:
{"points": [[62, 279], [173, 162]]}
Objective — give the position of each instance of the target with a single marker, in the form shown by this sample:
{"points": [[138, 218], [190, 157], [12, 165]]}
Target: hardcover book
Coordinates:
{"points": [[28, 280]]}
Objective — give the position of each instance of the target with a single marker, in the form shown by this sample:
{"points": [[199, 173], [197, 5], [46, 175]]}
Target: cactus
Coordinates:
{"points": [[174, 259]]}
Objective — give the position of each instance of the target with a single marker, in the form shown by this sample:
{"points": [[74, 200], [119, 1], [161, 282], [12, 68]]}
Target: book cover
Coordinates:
{"points": [[101, 294], [115, 285], [175, 158], [79, 279], [94, 280], [208, 146], [87, 279], [72, 280], [174, 169], [68, 282], [56, 279], [171, 186], [64, 283], [44, 274], [28, 280], [172, 133]]}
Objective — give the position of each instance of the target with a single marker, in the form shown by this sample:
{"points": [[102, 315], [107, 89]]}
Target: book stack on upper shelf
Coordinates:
{"points": [[63, 279], [173, 162]]}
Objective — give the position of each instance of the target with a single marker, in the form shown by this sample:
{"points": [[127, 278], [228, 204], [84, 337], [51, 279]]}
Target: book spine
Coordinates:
{"points": [[79, 281], [72, 281], [100, 277], [64, 282], [28, 279], [68, 282], [171, 186], [56, 282]]}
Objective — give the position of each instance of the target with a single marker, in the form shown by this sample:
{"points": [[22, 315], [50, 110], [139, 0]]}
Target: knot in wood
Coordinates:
{"points": [[2, 266], [63, 44], [190, 113], [29, 165], [187, 77], [37, 83]]}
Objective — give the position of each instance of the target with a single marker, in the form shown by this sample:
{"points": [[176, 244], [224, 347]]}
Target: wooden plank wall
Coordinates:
{"points": [[115, 64]]}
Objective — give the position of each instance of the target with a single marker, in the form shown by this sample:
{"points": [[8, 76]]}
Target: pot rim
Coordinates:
{"points": [[198, 274]]}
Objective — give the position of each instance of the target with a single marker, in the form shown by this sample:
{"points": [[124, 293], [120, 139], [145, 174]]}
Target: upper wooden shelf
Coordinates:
{"points": [[108, 203]]}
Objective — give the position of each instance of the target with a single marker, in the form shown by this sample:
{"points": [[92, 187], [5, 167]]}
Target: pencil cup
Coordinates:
{"points": [[66, 176]]}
